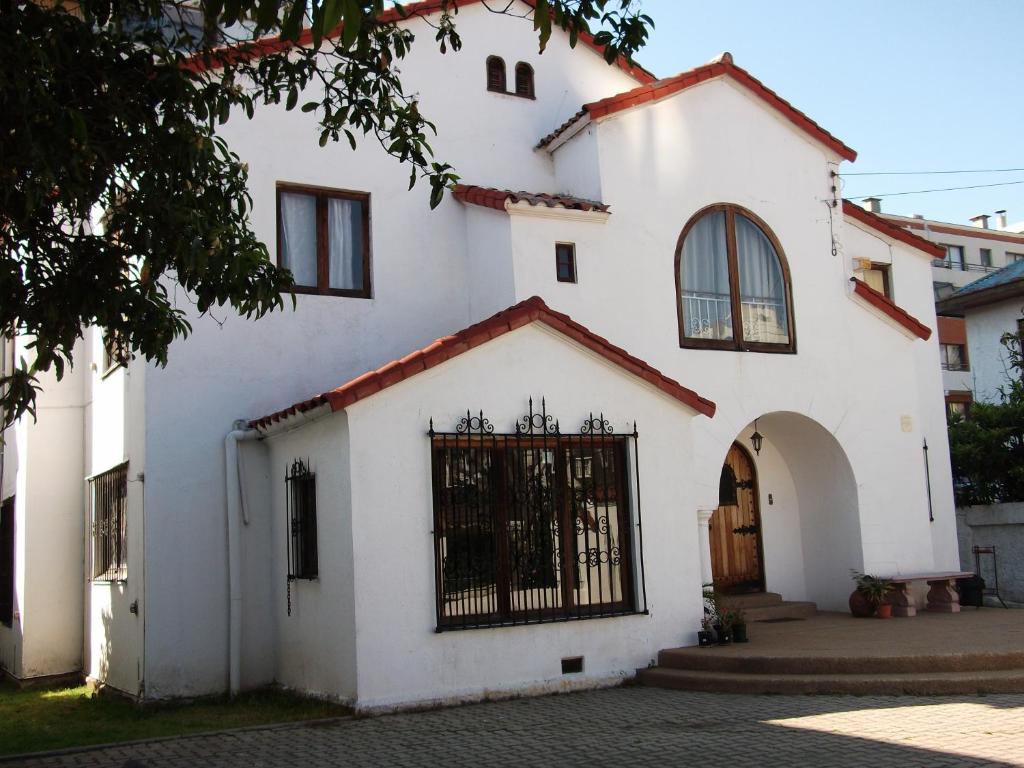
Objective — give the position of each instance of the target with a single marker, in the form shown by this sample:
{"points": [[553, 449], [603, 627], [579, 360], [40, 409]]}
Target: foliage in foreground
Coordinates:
{"points": [[987, 447], [110, 111]]}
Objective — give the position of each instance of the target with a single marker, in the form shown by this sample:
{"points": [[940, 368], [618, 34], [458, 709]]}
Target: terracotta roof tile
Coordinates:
{"points": [[723, 66], [269, 45], [532, 310], [894, 231], [888, 307], [489, 197]]}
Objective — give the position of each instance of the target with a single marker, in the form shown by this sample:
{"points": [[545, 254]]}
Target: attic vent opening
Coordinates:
{"points": [[572, 665]]}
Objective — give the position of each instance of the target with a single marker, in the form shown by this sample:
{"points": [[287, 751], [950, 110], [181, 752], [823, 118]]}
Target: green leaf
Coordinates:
{"points": [[309, 106], [542, 22], [353, 22], [293, 98]]}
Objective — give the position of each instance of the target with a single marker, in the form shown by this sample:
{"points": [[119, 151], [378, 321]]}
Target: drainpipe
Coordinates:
{"points": [[235, 512]]}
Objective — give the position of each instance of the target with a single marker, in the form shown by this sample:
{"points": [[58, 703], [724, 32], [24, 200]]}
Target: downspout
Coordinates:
{"points": [[236, 513]]}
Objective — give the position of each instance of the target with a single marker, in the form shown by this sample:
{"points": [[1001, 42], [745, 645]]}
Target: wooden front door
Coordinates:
{"points": [[737, 564]]}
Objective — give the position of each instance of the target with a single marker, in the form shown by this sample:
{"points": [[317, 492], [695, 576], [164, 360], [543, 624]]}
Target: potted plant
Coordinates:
{"points": [[739, 626], [705, 637], [723, 628], [717, 611], [869, 596]]}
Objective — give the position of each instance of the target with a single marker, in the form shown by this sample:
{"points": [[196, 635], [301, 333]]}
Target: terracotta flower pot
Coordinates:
{"points": [[884, 611], [860, 605]]}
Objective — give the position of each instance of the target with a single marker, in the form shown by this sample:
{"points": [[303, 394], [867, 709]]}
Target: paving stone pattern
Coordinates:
{"points": [[629, 726]]}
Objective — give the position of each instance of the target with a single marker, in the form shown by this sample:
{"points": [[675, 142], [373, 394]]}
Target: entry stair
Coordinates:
{"points": [[769, 606]]}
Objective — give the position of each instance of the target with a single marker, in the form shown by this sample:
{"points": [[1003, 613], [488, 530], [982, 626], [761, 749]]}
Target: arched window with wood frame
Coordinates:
{"points": [[524, 80], [496, 74], [732, 284]]}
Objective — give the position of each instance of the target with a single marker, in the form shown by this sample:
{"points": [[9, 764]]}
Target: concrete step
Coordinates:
{"points": [[782, 610], [913, 684], [754, 600], [743, 659]]}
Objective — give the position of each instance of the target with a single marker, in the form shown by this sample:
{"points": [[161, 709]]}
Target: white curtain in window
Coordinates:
{"points": [[704, 279], [762, 287], [345, 243], [298, 237]]}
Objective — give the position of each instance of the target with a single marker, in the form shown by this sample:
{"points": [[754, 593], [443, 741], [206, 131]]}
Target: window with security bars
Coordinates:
{"points": [[7, 562], [532, 526], [300, 482], [109, 525]]}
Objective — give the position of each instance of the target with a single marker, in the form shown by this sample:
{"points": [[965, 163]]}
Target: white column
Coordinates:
{"points": [[704, 542]]}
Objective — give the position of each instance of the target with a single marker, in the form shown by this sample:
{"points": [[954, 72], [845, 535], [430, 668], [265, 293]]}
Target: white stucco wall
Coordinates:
{"points": [[989, 363]]}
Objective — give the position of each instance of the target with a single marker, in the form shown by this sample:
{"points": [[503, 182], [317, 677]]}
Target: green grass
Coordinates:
{"points": [[33, 720]]}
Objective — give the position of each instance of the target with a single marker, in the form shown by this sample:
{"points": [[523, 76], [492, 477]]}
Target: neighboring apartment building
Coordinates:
{"points": [[545, 418], [990, 308], [971, 251]]}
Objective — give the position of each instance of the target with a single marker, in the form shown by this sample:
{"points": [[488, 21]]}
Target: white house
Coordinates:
{"points": [[483, 452]]}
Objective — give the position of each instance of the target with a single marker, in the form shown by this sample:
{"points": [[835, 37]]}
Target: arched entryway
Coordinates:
{"points": [[737, 550]]}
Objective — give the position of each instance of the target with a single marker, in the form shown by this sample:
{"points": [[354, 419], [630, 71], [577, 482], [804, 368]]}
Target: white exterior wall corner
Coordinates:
{"points": [[577, 165], [316, 644], [401, 658], [990, 365]]}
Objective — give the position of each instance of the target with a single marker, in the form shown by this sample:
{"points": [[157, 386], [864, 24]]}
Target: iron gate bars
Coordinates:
{"points": [[301, 502], [535, 525], [109, 524]]}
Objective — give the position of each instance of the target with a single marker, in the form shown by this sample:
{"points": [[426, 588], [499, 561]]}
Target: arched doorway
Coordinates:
{"points": [[737, 556]]}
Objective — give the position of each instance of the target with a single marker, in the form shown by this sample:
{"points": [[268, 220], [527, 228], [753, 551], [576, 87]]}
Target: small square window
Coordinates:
{"points": [[565, 262], [986, 257]]}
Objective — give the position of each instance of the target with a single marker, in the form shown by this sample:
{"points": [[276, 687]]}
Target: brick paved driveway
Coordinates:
{"points": [[628, 726]]}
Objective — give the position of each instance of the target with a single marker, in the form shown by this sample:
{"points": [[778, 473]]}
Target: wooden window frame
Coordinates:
{"points": [[961, 398], [737, 342], [323, 275], [527, 70], [497, 60], [886, 270], [573, 278]]}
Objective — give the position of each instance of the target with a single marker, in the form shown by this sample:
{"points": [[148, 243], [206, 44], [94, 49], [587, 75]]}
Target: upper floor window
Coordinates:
{"points": [[496, 80], [323, 237], [115, 352], [732, 284], [955, 257], [1014, 257], [524, 80], [565, 262], [953, 357], [878, 277], [986, 256]]}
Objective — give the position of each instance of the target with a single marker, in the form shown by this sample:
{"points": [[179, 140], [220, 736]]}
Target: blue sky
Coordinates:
{"points": [[910, 84]]}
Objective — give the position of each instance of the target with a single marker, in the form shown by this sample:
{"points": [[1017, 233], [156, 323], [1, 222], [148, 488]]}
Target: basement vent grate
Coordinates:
{"points": [[572, 665]]}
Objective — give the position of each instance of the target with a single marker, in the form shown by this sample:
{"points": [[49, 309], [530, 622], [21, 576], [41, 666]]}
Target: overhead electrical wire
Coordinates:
{"points": [[943, 189], [929, 173]]}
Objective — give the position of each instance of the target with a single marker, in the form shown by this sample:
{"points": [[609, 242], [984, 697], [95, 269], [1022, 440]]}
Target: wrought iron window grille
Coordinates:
{"points": [[110, 524], [300, 495], [535, 525]]}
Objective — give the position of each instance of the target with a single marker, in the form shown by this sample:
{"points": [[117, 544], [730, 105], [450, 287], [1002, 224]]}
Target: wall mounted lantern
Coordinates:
{"points": [[756, 439]]}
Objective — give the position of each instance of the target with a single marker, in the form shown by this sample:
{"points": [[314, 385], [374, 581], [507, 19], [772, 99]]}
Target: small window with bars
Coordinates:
{"points": [[524, 80], [7, 562], [496, 80], [110, 524], [300, 483]]}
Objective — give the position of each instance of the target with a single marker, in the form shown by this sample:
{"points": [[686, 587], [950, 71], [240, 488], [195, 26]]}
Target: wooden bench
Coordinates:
{"points": [[942, 594]]}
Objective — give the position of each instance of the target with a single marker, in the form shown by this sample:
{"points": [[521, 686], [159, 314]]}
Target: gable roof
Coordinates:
{"points": [[274, 44], [949, 228], [533, 310], [1007, 283], [891, 230], [888, 307], [721, 67], [488, 197]]}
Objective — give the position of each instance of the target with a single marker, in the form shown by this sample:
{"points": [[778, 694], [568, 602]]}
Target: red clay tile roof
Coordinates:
{"points": [[489, 197], [894, 231], [886, 305], [268, 45], [530, 311], [659, 89]]}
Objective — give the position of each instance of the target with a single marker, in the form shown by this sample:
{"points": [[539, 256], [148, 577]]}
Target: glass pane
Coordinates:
{"points": [[704, 279], [762, 287], [298, 237], [345, 243], [533, 535], [594, 498], [467, 547]]}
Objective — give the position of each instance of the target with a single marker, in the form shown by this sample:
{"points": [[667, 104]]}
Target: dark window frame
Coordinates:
{"points": [[525, 85], [561, 249], [737, 342], [964, 362], [322, 195], [886, 271], [948, 262], [300, 502], [109, 529], [114, 356], [8, 551], [493, 63]]}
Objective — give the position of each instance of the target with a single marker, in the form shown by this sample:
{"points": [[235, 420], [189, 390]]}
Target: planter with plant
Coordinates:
{"points": [[868, 598], [705, 636], [739, 626]]}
